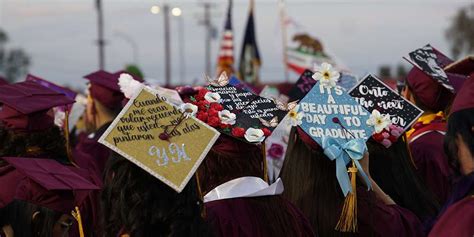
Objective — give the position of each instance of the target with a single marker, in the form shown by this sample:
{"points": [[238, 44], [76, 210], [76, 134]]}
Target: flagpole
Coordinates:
{"points": [[284, 39]]}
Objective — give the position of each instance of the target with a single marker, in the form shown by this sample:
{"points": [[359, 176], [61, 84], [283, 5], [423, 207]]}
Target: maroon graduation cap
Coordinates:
{"points": [[47, 183], [105, 89], [464, 66], [26, 106], [465, 97]]}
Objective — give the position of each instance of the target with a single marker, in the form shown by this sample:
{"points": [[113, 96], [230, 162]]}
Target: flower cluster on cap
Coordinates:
{"points": [[211, 111]]}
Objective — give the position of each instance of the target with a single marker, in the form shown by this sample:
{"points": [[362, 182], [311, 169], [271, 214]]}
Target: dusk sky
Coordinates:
{"points": [[59, 34]]}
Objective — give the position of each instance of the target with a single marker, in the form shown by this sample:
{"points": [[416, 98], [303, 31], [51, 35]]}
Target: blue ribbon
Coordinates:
{"points": [[343, 153]]}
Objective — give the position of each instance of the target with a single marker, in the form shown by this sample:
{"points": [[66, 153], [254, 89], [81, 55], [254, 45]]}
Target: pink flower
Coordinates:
{"points": [[385, 135], [386, 143], [275, 151]]}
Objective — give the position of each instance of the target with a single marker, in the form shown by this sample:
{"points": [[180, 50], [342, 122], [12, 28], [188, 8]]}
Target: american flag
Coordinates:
{"points": [[225, 62]]}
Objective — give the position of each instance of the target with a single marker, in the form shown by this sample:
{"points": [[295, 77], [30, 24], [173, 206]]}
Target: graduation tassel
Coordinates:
{"points": [[77, 215], [348, 219], [265, 165], [201, 196], [68, 140]]}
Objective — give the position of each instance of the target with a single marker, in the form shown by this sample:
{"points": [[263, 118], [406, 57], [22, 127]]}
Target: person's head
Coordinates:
{"points": [[393, 170], [310, 183], [459, 139], [30, 220], [137, 203], [104, 101], [229, 159], [426, 93]]}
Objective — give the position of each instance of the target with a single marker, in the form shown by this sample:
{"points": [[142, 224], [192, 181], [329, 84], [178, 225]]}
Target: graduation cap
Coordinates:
{"points": [[391, 113], [431, 84], [162, 139], [25, 106], [68, 92], [237, 112], [47, 183], [105, 89], [335, 121], [465, 97]]}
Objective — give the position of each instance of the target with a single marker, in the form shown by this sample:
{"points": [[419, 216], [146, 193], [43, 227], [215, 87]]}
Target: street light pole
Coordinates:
{"points": [[207, 25], [100, 29], [167, 45], [182, 67]]}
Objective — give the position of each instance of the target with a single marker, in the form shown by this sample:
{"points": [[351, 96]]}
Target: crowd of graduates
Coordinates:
{"points": [[57, 181]]}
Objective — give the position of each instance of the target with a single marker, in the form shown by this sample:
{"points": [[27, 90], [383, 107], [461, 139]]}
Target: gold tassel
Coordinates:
{"points": [[201, 196], [77, 215], [348, 219], [265, 165]]}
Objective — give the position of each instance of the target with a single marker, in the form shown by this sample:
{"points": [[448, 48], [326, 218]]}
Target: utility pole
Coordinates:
{"points": [[209, 28], [100, 29], [166, 15]]}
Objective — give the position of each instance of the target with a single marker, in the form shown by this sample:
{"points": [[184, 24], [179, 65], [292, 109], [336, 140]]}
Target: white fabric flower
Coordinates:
{"points": [[59, 117], [295, 118], [254, 135], [326, 75], [212, 97], [379, 121], [128, 85], [227, 117], [188, 109]]}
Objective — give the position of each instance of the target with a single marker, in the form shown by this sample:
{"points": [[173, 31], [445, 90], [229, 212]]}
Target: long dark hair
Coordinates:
{"points": [[310, 183], [49, 143], [393, 170], [136, 203], [19, 214], [459, 123]]}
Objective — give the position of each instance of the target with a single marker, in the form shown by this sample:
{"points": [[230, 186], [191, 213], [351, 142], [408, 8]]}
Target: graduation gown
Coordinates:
{"points": [[458, 220], [378, 219], [432, 164], [240, 216]]}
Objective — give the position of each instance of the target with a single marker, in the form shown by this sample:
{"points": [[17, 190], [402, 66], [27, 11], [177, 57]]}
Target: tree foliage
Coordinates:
{"points": [[460, 33], [14, 63]]}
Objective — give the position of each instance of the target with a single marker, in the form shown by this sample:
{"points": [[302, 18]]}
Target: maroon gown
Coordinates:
{"points": [[239, 217], [378, 219], [432, 164], [458, 220]]}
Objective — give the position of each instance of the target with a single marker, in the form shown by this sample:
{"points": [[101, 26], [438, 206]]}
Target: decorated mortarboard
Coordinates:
{"points": [[104, 88], [335, 121], [236, 112], [166, 141], [47, 183], [68, 92], [234, 81], [431, 62], [306, 81], [25, 105], [391, 113]]}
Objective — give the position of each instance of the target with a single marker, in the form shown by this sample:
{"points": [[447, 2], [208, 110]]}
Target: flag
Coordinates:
{"points": [[249, 56], [225, 61]]}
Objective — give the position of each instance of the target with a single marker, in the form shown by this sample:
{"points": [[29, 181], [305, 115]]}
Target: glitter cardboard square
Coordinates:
{"points": [[324, 107], [135, 134], [374, 94]]}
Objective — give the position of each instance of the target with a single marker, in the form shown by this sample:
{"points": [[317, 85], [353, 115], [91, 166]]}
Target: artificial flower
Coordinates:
{"points": [[266, 132], [386, 143], [276, 151], [326, 75], [202, 116], [254, 135], [213, 121], [212, 97], [238, 132], [379, 121], [188, 109], [216, 106], [128, 85], [226, 117], [213, 113], [201, 93], [295, 117]]}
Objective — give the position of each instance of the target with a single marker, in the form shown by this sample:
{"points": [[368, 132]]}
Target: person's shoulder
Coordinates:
{"points": [[457, 220]]}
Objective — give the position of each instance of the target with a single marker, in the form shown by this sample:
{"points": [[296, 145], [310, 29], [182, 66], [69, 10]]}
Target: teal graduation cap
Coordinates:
{"points": [[331, 112]]}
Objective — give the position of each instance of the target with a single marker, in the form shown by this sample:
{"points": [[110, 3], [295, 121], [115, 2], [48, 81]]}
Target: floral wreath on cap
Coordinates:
{"points": [[385, 133]]}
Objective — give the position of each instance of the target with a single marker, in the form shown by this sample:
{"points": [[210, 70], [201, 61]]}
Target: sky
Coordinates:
{"points": [[60, 35]]}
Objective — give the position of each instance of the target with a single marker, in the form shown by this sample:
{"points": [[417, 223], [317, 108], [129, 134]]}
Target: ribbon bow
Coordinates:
{"points": [[343, 154]]}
